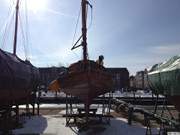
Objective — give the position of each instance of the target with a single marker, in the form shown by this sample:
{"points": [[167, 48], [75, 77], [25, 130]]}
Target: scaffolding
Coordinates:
{"points": [[98, 111], [165, 118]]}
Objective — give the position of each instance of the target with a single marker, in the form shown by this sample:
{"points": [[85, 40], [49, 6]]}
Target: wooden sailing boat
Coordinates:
{"points": [[85, 79], [18, 78]]}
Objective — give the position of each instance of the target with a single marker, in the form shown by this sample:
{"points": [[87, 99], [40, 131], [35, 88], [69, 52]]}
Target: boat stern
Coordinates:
{"points": [[54, 86]]}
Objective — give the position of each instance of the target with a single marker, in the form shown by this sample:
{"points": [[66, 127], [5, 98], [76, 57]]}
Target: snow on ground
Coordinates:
{"points": [[52, 94], [46, 106], [60, 106], [55, 125], [138, 93]]}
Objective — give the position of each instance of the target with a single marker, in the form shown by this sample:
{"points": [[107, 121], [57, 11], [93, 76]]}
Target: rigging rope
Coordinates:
{"points": [[27, 30], [24, 34], [6, 35], [7, 25], [88, 5], [91, 21], [76, 26], [23, 37]]}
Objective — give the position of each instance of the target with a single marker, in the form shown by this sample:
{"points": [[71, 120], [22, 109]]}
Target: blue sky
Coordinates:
{"points": [[129, 33]]}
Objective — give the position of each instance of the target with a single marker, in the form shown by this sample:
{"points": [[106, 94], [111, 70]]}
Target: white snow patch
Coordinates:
{"points": [[52, 106], [55, 125], [52, 94], [118, 93]]}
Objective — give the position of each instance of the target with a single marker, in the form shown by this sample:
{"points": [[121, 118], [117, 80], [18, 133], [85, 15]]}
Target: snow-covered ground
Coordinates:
{"points": [[56, 125], [139, 93], [60, 106], [52, 94], [43, 106]]}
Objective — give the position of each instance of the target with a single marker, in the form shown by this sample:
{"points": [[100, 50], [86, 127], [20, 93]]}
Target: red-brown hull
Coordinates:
{"points": [[10, 98], [87, 84]]}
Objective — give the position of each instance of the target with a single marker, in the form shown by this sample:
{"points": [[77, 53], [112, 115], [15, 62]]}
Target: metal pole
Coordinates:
{"points": [[16, 28]]}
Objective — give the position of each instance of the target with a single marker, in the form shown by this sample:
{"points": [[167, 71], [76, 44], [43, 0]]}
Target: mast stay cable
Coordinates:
{"points": [[7, 24], [27, 32], [23, 37], [75, 44]]}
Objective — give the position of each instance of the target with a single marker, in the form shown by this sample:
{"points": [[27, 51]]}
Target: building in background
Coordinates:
{"points": [[139, 81], [120, 78], [146, 84], [132, 83]]}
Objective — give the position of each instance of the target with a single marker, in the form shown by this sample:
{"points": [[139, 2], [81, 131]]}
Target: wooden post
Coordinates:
{"points": [[87, 111], [33, 105], [130, 115], [38, 102], [17, 114], [84, 29]]}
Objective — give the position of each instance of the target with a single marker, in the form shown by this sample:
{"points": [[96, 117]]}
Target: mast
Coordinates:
{"points": [[16, 28], [84, 29]]}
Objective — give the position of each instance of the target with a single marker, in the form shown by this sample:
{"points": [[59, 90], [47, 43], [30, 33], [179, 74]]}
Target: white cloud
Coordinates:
{"points": [[59, 13], [166, 49], [51, 56]]}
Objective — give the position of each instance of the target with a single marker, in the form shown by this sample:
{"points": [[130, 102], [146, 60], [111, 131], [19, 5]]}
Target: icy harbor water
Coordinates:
{"points": [[56, 125]]}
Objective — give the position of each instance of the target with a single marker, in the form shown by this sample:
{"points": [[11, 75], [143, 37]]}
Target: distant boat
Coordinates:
{"points": [[18, 78], [164, 79], [85, 79]]}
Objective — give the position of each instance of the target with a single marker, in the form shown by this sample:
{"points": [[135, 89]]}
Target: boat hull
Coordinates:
{"points": [[85, 83], [17, 79]]}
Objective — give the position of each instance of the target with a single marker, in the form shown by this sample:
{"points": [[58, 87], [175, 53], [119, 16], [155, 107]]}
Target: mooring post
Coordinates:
{"points": [[17, 113], [27, 110], [103, 105], [147, 124], [7, 120], [67, 120], [87, 112], [130, 114], [33, 108], [38, 101], [34, 100], [38, 108]]}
